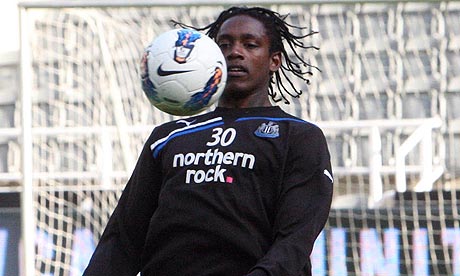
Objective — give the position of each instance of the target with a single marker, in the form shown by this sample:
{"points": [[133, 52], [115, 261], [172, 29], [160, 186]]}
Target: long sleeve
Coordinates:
{"points": [[303, 207], [120, 247]]}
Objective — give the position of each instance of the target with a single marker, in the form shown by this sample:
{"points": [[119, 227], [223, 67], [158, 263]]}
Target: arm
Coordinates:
{"points": [[119, 249], [302, 210]]}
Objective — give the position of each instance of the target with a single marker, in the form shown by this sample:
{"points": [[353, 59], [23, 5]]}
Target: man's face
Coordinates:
{"points": [[245, 45]]}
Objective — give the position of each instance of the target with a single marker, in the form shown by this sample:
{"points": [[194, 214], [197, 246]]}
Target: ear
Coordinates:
{"points": [[275, 63]]}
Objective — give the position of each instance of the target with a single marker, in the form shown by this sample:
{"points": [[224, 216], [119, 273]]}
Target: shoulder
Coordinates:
{"points": [[304, 135], [186, 123], [165, 132], [300, 126]]}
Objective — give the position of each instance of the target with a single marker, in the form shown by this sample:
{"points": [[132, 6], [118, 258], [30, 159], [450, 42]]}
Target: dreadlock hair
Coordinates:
{"points": [[278, 30]]}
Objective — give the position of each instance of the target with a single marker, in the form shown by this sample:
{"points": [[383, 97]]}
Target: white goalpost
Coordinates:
{"points": [[385, 98]]}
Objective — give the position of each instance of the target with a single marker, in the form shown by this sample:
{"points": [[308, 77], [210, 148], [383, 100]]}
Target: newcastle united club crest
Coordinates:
{"points": [[269, 130]]}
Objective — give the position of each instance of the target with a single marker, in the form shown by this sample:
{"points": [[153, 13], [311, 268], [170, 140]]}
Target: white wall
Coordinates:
{"points": [[9, 27]]}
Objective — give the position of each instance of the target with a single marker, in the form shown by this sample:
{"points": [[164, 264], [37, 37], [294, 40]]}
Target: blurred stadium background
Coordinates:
{"points": [[73, 119]]}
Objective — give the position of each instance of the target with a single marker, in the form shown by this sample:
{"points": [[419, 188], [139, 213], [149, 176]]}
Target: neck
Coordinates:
{"points": [[247, 102]]}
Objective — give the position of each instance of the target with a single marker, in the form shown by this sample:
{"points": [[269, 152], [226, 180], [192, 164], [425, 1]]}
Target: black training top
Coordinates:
{"points": [[229, 193]]}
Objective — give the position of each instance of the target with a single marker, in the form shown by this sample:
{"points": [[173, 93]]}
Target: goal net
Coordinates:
{"points": [[389, 83]]}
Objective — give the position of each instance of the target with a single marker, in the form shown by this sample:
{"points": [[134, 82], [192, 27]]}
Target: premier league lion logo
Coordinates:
{"points": [[185, 44]]}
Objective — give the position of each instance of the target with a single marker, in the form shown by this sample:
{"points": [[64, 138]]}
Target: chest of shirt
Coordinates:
{"points": [[248, 148]]}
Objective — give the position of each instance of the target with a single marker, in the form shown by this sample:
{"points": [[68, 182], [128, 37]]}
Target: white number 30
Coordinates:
{"points": [[222, 137]]}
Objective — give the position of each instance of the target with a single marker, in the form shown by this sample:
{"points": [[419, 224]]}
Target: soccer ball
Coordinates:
{"points": [[186, 70]]}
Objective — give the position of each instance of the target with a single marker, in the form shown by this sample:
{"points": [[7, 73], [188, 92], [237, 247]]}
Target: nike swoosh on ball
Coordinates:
{"points": [[163, 73]]}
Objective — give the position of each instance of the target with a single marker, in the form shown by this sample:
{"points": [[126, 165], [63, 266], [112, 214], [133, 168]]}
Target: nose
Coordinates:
{"points": [[235, 51]]}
